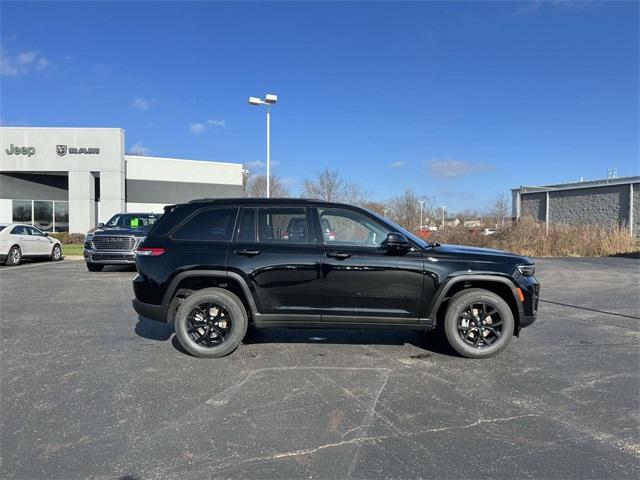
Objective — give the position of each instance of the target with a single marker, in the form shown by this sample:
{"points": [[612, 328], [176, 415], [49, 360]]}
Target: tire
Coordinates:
{"points": [[233, 309], [14, 257], [56, 253], [95, 267], [460, 305]]}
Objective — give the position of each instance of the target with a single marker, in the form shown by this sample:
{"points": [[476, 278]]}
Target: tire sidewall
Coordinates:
{"points": [[462, 300], [53, 253], [231, 303]]}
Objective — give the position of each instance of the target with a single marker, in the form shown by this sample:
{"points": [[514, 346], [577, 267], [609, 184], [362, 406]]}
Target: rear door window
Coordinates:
{"points": [[283, 225], [212, 224]]}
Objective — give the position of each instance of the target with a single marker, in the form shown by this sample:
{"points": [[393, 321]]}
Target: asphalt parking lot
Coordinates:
{"points": [[89, 390]]}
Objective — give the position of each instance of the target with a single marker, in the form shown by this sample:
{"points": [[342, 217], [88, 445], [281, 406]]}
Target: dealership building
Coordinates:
{"points": [[70, 179]]}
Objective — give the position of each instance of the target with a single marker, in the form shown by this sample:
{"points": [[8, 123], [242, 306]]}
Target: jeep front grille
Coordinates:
{"points": [[108, 243]]}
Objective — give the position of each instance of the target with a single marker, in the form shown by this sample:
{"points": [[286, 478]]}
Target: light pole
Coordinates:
{"points": [[442, 208], [421, 202], [269, 99]]}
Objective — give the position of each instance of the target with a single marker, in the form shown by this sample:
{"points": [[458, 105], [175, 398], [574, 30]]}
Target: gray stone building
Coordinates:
{"points": [[606, 203]]}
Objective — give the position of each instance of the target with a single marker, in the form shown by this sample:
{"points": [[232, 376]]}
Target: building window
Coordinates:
{"points": [[47, 215], [61, 219], [22, 211], [43, 215]]}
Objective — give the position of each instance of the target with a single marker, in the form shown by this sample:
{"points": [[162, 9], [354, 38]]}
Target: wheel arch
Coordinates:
{"points": [[500, 285], [185, 283]]}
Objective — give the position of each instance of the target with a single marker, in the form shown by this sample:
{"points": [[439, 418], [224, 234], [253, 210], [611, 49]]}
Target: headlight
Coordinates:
{"points": [[527, 270]]}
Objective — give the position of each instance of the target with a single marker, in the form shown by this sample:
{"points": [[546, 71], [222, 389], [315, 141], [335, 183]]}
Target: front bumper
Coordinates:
{"points": [[147, 310], [531, 291], [126, 257]]}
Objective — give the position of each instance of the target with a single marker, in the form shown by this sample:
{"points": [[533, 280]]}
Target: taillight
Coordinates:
{"points": [[150, 251]]}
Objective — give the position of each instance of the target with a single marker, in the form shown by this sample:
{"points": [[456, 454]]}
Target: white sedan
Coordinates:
{"points": [[18, 241]]}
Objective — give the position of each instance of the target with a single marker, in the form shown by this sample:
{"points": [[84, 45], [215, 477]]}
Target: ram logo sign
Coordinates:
{"points": [[62, 150]]}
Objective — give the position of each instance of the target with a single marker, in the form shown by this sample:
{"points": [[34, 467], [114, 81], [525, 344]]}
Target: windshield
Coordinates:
{"points": [[415, 239], [133, 220]]}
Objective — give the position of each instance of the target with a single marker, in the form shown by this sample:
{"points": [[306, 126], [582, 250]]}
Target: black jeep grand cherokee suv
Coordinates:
{"points": [[216, 266]]}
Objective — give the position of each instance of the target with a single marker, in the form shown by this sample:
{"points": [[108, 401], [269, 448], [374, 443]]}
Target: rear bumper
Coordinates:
{"points": [[126, 257], [147, 310]]}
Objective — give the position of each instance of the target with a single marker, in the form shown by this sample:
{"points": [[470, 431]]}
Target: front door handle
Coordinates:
{"points": [[248, 253], [338, 255]]}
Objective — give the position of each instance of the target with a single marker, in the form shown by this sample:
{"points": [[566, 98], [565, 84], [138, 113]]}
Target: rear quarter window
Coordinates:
{"points": [[211, 224]]}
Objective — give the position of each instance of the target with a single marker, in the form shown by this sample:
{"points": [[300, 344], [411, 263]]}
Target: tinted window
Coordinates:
{"points": [[35, 232], [347, 227], [130, 220], [20, 230], [283, 225], [213, 224], [247, 225]]}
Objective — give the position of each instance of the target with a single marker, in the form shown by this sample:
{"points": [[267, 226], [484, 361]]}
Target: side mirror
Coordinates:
{"points": [[100, 225], [396, 241], [45, 234]]}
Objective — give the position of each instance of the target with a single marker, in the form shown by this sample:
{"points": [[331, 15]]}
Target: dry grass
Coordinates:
{"points": [[527, 237]]}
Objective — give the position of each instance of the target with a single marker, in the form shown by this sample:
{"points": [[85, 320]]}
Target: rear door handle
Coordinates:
{"points": [[248, 253], [338, 255]]}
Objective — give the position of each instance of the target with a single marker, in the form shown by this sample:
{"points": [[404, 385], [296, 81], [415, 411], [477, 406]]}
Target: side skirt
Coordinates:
{"points": [[336, 321]]}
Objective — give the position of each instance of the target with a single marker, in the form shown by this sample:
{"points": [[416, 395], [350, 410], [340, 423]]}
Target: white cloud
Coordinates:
{"points": [[197, 128], [23, 63], [139, 149], [398, 164], [217, 123], [258, 164], [140, 103], [451, 168]]}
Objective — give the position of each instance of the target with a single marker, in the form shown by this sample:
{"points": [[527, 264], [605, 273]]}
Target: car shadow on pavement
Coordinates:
{"points": [[428, 341], [153, 330]]}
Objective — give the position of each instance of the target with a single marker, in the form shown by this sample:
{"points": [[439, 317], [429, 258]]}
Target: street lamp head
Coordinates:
{"points": [[255, 101], [270, 98]]}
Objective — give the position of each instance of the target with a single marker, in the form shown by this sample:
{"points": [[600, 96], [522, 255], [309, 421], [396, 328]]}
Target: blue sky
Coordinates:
{"points": [[456, 100]]}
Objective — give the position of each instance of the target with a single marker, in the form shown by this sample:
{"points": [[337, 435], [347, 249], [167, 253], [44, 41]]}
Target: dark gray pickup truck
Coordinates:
{"points": [[114, 242]]}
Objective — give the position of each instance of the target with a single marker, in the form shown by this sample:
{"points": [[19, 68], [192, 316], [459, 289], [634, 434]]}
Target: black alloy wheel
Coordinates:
{"points": [[480, 325], [209, 324]]}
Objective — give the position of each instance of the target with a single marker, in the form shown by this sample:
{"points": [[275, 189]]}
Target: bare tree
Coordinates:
{"points": [[377, 207], [256, 186], [354, 194], [501, 208], [326, 186], [405, 209]]}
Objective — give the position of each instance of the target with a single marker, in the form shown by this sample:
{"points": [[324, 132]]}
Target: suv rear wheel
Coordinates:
{"points": [[211, 323], [478, 323]]}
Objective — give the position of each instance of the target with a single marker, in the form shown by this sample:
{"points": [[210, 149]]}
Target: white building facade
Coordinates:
{"points": [[70, 179]]}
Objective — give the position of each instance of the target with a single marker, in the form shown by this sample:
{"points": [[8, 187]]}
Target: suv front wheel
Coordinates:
{"points": [[211, 323], [478, 323]]}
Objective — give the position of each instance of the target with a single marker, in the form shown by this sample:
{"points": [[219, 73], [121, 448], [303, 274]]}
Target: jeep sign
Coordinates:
{"points": [[15, 150]]}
